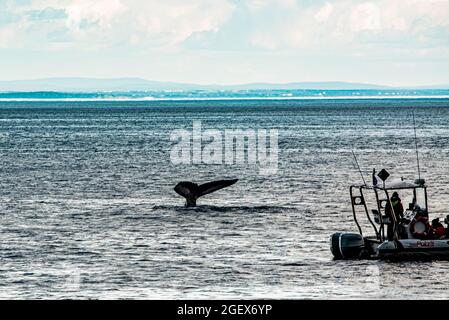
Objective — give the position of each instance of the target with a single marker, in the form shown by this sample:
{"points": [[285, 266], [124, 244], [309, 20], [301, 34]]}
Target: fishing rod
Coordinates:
{"points": [[360, 171], [416, 146]]}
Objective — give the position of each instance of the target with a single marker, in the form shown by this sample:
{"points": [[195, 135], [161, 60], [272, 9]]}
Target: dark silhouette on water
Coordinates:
{"points": [[192, 191]]}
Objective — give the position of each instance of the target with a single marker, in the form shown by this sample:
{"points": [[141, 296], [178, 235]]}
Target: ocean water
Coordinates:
{"points": [[87, 207]]}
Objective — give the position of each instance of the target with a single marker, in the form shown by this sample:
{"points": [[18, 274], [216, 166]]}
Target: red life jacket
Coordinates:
{"points": [[439, 231]]}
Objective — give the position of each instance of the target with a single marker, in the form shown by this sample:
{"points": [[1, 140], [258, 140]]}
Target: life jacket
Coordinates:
{"points": [[398, 208], [439, 231]]}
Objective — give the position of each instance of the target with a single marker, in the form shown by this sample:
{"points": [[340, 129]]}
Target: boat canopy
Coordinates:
{"points": [[396, 184]]}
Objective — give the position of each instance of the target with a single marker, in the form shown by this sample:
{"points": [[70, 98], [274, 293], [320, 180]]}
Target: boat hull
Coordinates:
{"points": [[414, 249], [354, 246]]}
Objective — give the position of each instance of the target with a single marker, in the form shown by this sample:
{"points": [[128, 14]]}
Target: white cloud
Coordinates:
{"points": [[172, 22], [343, 26], [88, 23], [324, 12], [270, 24], [6, 37], [100, 12], [285, 24], [365, 17]]}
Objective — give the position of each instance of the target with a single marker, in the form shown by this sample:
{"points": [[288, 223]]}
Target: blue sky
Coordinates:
{"points": [[393, 42]]}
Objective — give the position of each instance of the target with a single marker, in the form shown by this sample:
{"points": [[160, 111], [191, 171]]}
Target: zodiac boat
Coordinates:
{"points": [[410, 238]]}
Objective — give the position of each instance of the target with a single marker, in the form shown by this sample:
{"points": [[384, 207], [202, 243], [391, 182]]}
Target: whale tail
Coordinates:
{"points": [[192, 191]]}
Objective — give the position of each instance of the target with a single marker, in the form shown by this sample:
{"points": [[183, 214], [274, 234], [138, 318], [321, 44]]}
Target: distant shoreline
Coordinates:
{"points": [[150, 99]]}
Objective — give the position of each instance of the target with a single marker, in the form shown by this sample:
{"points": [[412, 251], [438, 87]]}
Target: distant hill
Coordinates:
{"points": [[89, 85], [137, 84]]}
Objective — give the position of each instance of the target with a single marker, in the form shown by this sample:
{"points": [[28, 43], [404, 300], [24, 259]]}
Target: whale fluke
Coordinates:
{"points": [[192, 191]]}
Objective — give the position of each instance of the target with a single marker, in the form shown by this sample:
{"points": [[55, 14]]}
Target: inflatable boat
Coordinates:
{"points": [[384, 232]]}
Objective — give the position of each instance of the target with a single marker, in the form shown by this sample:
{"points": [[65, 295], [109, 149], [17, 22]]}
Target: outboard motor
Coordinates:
{"points": [[347, 245]]}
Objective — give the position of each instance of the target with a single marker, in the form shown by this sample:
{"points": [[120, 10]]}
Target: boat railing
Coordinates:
{"points": [[382, 198], [359, 200]]}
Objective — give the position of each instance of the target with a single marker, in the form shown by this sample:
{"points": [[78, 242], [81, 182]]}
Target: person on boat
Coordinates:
{"points": [[398, 209], [446, 221], [438, 230]]}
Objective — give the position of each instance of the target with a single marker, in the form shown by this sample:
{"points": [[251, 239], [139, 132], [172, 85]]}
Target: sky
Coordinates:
{"points": [[390, 42]]}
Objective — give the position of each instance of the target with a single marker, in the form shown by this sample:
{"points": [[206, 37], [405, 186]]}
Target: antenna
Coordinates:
{"points": [[360, 171], [416, 146]]}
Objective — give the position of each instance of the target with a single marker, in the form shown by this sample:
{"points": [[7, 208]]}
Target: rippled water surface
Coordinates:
{"points": [[87, 207]]}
